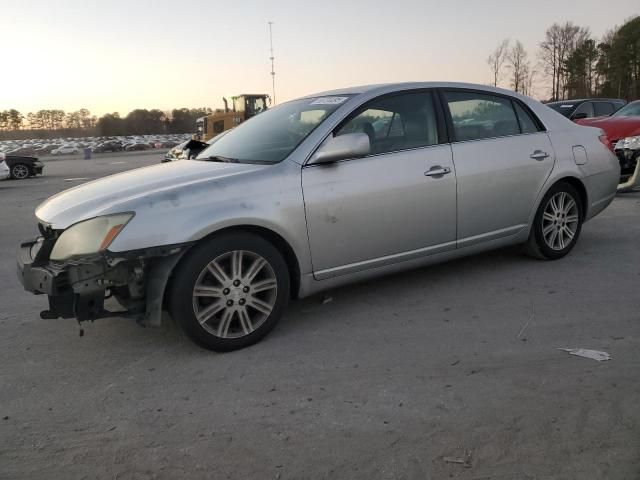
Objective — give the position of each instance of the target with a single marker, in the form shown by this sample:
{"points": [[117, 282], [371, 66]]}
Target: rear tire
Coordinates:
{"points": [[557, 224], [230, 292], [20, 171]]}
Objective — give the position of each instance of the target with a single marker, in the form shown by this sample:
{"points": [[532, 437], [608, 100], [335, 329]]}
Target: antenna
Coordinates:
{"points": [[273, 73]]}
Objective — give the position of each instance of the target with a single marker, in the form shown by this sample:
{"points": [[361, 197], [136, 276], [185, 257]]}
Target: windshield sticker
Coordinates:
{"points": [[329, 101], [566, 106]]}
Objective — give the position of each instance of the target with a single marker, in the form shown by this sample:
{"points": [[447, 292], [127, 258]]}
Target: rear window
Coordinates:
{"points": [[527, 123], [479, 115]]}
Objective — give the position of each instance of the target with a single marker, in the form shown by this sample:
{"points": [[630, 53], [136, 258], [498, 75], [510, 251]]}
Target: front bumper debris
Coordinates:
{"points": [[629, 169], [78, 288]]}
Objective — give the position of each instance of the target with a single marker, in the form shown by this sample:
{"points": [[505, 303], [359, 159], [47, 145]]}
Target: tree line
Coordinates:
{"points": [[571, 63], [56, 123]]}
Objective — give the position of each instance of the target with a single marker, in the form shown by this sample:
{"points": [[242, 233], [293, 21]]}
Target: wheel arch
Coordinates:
{"points": [[272, 237], [579, 186], [571, 180]]}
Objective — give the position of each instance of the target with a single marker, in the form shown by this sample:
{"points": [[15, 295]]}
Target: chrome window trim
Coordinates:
{"points": [[373, 155]]}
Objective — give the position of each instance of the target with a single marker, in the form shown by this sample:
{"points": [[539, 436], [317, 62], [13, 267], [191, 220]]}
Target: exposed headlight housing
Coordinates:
{"points": [[629, 143], [89, 236]]}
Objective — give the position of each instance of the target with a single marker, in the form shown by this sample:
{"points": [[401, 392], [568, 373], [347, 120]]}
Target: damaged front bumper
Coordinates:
{"points": [[629, 169], [78, 288]]}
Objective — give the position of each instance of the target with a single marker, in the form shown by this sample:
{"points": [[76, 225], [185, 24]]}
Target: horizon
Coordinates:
{"points": [[152, 60]]}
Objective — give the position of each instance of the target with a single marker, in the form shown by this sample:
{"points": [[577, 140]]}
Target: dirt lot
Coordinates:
{"points": [[384, 381]]}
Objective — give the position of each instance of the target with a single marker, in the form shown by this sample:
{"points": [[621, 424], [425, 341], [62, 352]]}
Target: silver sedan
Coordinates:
{"points": [[315, 193]]}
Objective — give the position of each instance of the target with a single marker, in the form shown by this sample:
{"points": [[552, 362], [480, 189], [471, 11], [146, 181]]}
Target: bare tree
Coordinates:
{"points": [[519, 65], [529, 79], [550, 56], [4, 120], [560, 42], [15, 119], [496, 60]]}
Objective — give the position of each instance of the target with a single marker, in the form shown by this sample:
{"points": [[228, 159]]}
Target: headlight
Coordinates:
{"points": [[90, 236], [629, 143]]}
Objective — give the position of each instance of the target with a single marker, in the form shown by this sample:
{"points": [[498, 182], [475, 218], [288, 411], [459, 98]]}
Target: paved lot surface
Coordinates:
{"points": [[384, 381]]}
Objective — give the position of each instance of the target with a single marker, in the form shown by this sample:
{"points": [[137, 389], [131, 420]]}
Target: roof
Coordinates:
{"points": [[577, 100], [408, 85]]}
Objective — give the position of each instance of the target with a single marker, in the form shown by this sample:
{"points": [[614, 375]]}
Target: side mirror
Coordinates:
{"points": [[579, 116], [349, 145]]}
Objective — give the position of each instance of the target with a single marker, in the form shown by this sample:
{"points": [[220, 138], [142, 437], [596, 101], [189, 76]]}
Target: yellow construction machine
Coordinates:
{"points": [[243, 107]]}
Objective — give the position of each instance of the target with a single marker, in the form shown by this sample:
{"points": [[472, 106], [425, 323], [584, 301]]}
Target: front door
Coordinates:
{"points": [[395, 204]]}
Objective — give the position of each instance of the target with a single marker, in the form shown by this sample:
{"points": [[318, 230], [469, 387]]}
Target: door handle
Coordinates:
{"points": [[539, 155], [437, 171]]}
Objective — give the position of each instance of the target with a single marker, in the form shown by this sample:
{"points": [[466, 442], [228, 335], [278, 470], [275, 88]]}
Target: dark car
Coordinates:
{"points": [[137, 146], [587, 107], [23, 167], [45, 149], [28, 151], [110, 146]]}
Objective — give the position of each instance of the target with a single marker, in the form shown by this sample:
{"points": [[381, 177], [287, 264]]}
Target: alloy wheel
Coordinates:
{"points": [[234, 294], [560, 221], [20, 171]]}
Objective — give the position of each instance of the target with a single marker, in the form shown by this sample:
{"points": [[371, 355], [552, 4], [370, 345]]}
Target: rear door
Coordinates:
{"points": [[502, 157]]}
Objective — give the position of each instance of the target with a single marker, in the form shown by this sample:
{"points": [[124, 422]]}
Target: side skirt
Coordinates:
{"points": [[310, 286]]}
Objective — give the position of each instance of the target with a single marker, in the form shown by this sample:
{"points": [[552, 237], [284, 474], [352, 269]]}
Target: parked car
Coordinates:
{"points": [[137, 146], [109, 146], [4, 168], [306, 197], [65, 150], [587, 107], [23, 167], [623, 131], [45, 149], [22, 151]]}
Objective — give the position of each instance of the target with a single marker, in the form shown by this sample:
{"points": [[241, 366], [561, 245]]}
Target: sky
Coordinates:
{"points": [[117, 55]]}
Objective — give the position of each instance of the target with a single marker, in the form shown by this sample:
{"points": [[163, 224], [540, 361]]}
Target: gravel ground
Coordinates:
{"points": [[388, 380]]}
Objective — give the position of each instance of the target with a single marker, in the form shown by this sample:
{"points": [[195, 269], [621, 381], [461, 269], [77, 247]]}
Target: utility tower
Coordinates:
{"points": [[273, 73]]}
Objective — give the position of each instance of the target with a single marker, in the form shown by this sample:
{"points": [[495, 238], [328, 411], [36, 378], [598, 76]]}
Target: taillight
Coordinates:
{"points": [[606, 142]]}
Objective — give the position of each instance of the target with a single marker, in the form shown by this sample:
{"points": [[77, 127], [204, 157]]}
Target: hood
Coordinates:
{"points": [[615, 127], [125, 192]]}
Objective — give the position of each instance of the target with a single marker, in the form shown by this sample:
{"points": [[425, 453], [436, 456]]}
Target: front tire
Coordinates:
{"points": [[229, 292], [20, 171], [557, 224]]}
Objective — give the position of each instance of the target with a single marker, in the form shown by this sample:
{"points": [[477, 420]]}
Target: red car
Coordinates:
{"points": [[623, 131]]}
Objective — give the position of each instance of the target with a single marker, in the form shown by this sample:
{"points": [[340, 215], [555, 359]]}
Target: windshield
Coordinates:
{"points": [[564, 108], [630, 110], [272, 135]]}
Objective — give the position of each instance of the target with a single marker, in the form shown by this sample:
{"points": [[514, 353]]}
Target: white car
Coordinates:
{"points": [[65, 150], [4, 168]]}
